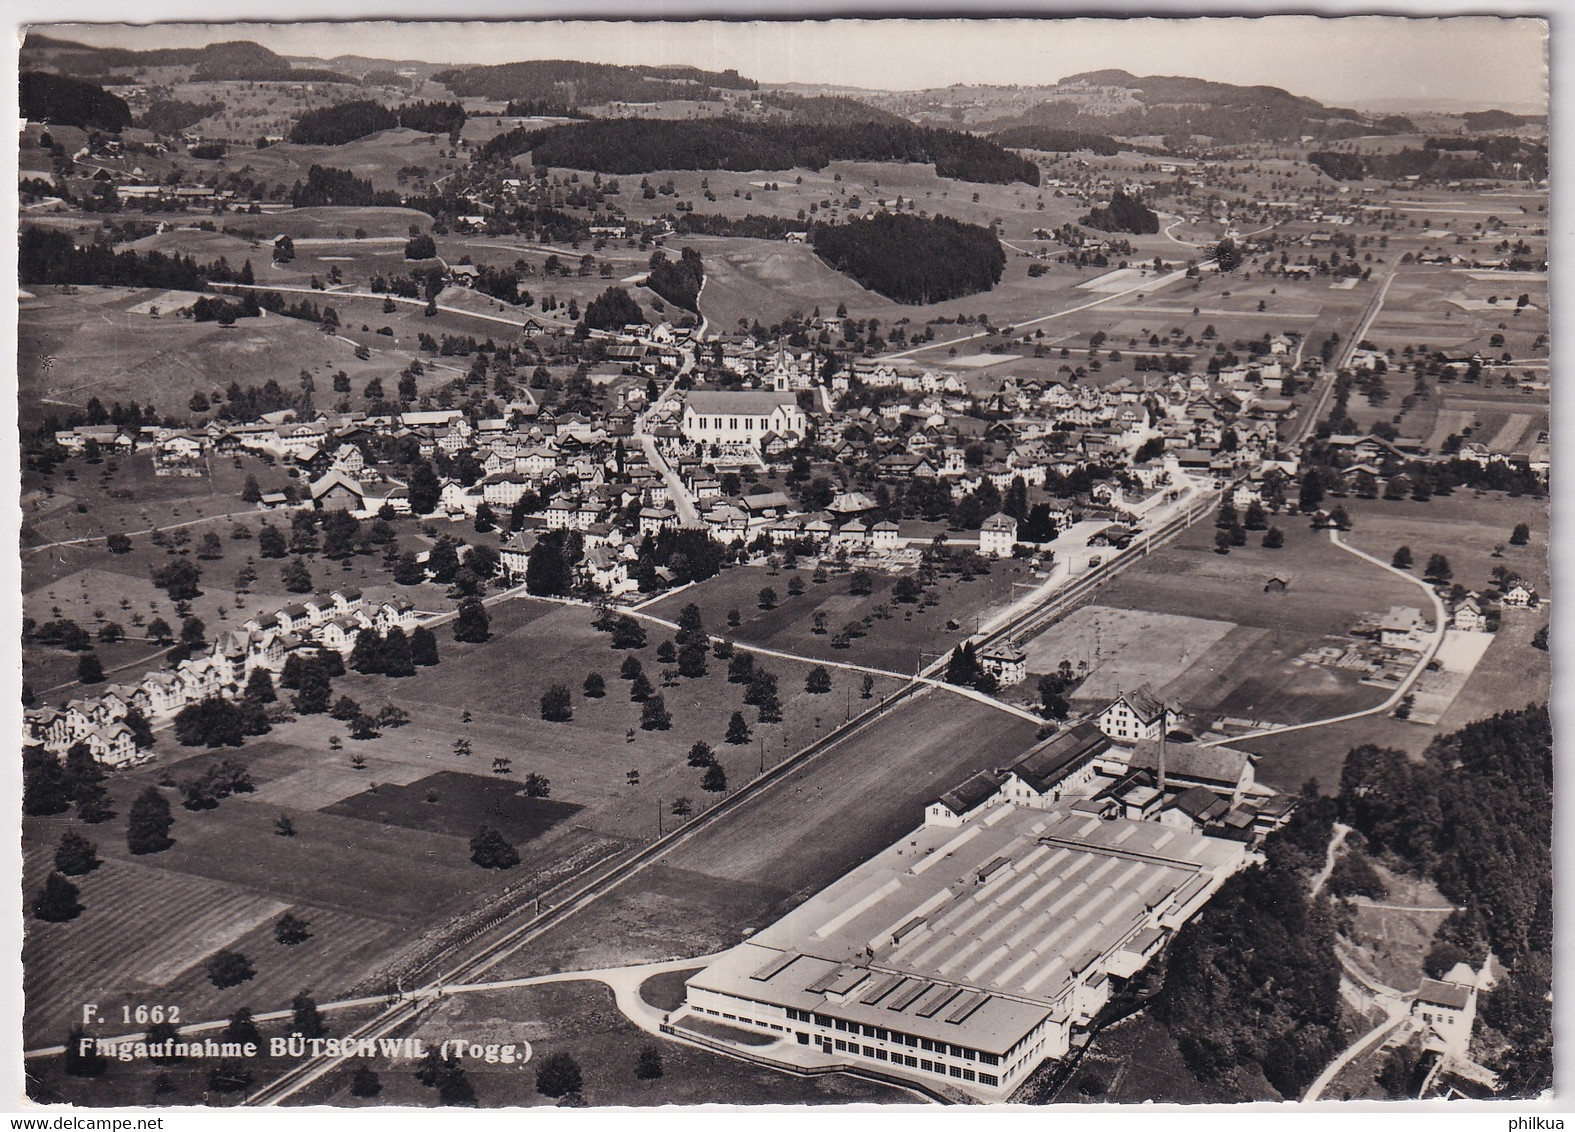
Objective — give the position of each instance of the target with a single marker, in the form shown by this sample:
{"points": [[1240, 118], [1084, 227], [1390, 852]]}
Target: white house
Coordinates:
{"points": [[1137, 715], [998, 535]]}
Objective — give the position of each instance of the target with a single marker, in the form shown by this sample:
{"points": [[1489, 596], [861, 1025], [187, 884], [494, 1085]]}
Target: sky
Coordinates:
{"points": [[1349, 61]]}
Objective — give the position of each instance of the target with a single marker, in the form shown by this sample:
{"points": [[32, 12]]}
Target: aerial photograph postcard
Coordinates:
{"points": [[888, 561]]}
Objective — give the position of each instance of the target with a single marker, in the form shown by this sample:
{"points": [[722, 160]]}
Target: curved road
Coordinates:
{"points": [[1440, 617]]}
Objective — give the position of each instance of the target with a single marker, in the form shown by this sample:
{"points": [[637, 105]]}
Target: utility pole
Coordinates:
{"points": [[658, 817]]}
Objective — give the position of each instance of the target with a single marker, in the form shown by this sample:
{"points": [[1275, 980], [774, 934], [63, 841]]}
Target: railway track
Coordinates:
{"points": [[489, 952]]}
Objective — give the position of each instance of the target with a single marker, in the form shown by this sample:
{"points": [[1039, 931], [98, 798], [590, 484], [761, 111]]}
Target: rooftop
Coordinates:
{"points": [[991, 925]]}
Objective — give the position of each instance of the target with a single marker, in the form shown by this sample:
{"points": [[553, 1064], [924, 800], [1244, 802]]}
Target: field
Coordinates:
{"points": [[74, 347], [909, 637], [757, 863], [401, 860], [581, 1019], [1249, 670]]}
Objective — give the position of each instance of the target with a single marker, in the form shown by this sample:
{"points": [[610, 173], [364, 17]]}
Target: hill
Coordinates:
{"points": [[1120, 104], [564, 82], [234, 60]]}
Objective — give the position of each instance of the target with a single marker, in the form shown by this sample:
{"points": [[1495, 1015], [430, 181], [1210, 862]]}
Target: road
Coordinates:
{"points": [[1147, 286], [484, 953], [1436, 639], [1334, 850]]}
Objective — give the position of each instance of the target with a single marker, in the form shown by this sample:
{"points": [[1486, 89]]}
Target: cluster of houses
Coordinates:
{"points": [[266, 640], [1120, 763]]}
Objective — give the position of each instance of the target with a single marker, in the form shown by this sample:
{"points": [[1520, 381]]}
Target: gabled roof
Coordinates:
{"points": [[1192, 761], [970, 793], [1050, 761]]}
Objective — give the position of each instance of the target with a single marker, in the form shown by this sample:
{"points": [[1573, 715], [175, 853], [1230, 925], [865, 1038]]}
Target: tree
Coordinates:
{"points": [[692, 660], [243, 1028], [491, 850], [715, 780], [691, 628], [1222, 542], [118, 543], [193, 633], [818, 681], [297, 577], [767, 598], [556, 704], [305, 1018], [283, 826], [271, 542], [423, 647], [251, 492], [627, 633], [738, 729], [45, 789], [630, 668], [179, 579], [75, 855], [1521, 535], [1311, 496], [640, 688], [148, 823], [558, 1075], [57, 901], [537, 786], [472, 623], [345, 709], [653, 714], [79, 1062], [648, 1066], [394, 654], [229, 969], [425, 491], [701, 754], [1273, 538], [90, 670], [963, 665], [594, 687], [1402, 559], [364, 1082], [1437, 570], [259, 687]]}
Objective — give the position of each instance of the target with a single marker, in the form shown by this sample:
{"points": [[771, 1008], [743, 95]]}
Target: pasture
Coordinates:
{"points": [[1250, 671], [906, 637], [755, 864]]}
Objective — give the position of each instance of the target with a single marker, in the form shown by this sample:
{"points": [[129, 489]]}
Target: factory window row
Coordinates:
{"points": [[896, 1037]]}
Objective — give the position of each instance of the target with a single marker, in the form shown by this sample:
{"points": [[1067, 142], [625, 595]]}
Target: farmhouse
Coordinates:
{"points": [[964, 956], [741, 418]]}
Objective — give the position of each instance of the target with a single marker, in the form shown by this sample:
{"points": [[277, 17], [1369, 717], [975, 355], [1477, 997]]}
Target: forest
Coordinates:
{"points": [[1122, 214], [1476, 816], [641, 146], [913, 260], [48, 256], [567, 83], [1253, 980], [171, 115], [678, 282], [1442, 159], [62, 101], [347, 121], [326, 185], [754, 225]]}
